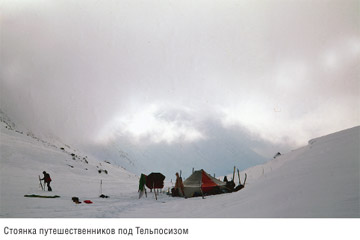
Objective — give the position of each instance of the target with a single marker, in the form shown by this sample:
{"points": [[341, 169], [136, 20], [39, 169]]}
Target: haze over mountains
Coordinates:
{"points": [[222, 150]]}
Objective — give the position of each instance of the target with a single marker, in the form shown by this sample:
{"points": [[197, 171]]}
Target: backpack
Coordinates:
{"points": [[47, 178]]}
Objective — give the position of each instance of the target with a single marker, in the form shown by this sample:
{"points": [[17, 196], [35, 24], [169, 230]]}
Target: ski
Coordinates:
{"points": [[234, 174], [42, 187], [239, 176]]}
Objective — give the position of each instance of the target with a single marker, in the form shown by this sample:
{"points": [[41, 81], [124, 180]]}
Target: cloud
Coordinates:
{"points": [[218, 152], [156, 71], [153, 124]]}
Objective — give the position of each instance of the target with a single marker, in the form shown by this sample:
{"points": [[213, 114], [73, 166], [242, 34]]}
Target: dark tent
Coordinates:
{"points": [[155, 180]]}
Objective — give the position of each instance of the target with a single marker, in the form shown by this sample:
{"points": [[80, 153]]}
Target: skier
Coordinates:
{"points": [[47, 180]]}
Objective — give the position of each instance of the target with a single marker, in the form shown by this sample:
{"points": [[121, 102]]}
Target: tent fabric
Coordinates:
{"points": [[201, 183], [142, 182], [155, 180]]}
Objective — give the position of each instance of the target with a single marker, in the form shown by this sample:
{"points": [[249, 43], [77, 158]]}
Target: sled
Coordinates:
{"points": [[41, 196]]}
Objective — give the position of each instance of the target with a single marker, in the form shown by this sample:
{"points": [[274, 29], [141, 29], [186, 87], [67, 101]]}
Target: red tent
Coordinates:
{"points": [[202, 183]]}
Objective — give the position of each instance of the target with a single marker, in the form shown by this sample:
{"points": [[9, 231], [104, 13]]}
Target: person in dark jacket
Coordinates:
{"points": [[47, 180], [179, 186]]}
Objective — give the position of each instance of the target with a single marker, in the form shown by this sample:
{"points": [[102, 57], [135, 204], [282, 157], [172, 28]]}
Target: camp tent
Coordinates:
{"points": [[201, 183], [155, 180]]}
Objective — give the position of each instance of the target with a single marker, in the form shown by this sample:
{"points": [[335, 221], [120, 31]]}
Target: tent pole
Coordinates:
{"points": [[202, 194], [154, 190], [100, 186]]}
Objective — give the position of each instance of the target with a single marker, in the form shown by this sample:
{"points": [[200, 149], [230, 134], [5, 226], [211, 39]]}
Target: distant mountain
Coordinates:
{"points": [[72, 157], [218, 154]]}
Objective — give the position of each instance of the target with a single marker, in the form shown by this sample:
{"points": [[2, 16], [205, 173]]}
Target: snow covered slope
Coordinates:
{"points": [[23, 158], [318, 180]]}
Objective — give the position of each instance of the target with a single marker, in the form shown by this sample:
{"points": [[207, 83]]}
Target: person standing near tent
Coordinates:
{"points": [[142, 183], [179, 186], [47, 180]]}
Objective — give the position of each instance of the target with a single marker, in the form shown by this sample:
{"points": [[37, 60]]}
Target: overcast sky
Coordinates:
{"points": [[155, 71]]}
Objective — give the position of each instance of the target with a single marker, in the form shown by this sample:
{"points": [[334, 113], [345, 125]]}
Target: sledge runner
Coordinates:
{"points": [[47, 180]]}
